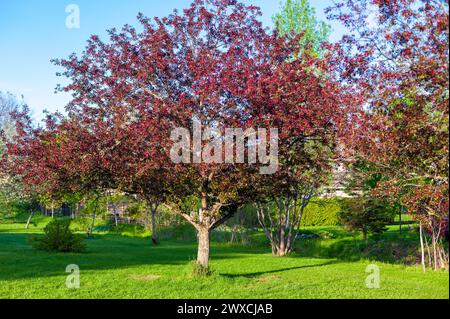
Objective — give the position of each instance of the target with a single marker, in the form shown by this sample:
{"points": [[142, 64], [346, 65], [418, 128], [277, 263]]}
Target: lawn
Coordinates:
{"points": [[130, 267]]}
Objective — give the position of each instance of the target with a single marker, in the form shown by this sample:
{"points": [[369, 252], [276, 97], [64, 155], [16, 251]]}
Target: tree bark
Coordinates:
{"points": [[116, 220], [421, 247], [283, 226], [435, 257], [203, 246], [209, 218], [282, 248], [94, 215], [29, 219], [153, 220]]}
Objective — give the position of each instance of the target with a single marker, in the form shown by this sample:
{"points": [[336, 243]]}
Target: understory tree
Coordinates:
{"points": [[365, 214], [312, 122]]}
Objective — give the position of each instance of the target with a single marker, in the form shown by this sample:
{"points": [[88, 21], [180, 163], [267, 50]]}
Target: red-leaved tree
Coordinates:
{"points": [[212, 64], [397, 57]]}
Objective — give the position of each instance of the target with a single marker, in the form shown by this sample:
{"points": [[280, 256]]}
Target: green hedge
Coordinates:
{"points": [[322, 212]]}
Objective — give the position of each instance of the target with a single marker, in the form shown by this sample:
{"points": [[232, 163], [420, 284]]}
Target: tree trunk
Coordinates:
{"points": [[421, 247], [274, 249], [29, 219], [427, 246], [53, 211], [233, 234], [153, 220], [207, 221], [94, 215], [282, 248], [282, 252], [203, 246], [435, 257]]}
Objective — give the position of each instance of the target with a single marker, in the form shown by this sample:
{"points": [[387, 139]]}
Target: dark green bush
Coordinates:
{"points": [[58, 237], [365, 214]]}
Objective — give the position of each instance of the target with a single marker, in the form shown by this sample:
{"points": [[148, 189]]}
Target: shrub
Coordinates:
{"points": [[322, 212], [58, 237]]}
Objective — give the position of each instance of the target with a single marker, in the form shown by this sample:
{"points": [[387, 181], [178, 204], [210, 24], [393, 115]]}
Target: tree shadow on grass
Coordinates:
{"points": [[259, 273], [19, 260]]}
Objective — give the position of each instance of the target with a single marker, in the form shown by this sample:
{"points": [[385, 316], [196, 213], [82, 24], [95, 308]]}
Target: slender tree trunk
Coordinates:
{"points": [[283, 226], [282, 247], [53, 211], [435, 257], [29, 219], [400, 220], [203, 246], [422, 247], [153, 221], [428, 250], [274, 249], [234, 230], [94, 215]]}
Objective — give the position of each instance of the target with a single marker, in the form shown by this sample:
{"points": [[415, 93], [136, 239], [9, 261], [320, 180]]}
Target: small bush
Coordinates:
{"points": [[58, 237]]}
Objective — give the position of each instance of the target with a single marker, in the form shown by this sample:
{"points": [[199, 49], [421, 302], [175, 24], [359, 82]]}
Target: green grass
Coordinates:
{"points": [[130, 267]]}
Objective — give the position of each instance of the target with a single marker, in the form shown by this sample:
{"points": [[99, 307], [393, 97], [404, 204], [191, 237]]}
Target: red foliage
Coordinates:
{"points": [[400, 65], [213, 62]]}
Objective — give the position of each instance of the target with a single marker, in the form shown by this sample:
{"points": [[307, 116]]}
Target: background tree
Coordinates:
{"points": [[299, 17], [11, 190], [312, 123], [151, 186], [365, 214], [397, 55], [8, 105]]}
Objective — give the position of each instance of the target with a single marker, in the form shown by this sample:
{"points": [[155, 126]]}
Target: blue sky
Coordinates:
{"points": [[33, 32]]}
